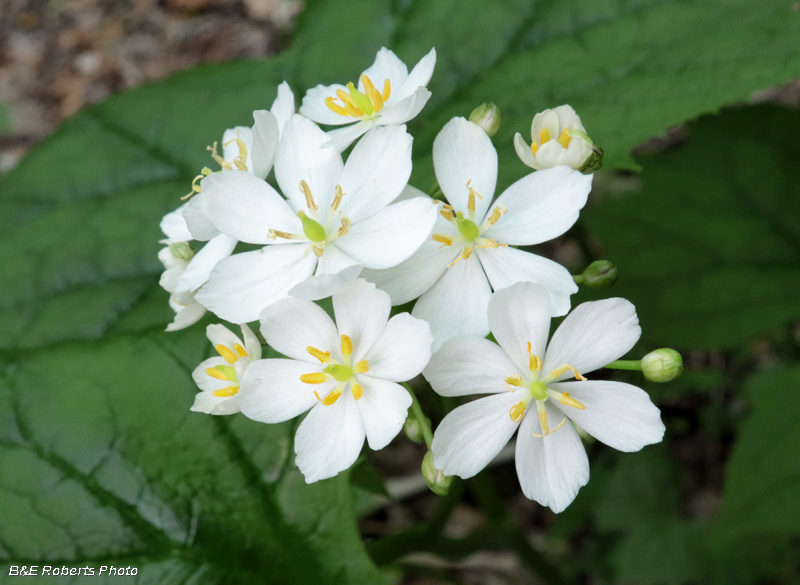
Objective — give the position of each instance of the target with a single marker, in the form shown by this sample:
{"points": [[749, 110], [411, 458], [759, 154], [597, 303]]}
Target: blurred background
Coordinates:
{"points": [[697, 105]]}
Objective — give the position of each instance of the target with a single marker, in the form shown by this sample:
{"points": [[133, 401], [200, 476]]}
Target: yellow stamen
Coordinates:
{"points": [[334, 107], [318, 252], [387, 91], [564, 139], [215, 373], [309, 198], [218, 159], [314, 378], [345, 227], [517, 411], [369, 89], [345, 97], [377, 101], [497, 213], [533, 359], [560, 370], [272, 234], [241, 159], [492, 244], [448, 213], [226, 392], [465, 254], [353, 111], [330, 398], [568, 400], [543, 418], [226, 353], [442, 239], [347, 346], [240, 350], [472, 194], [323, 356], [561, 424], [337, 200], [362, 367], [358, 391], [195, 187], [544, 136], [515, 380], [534, 148]]}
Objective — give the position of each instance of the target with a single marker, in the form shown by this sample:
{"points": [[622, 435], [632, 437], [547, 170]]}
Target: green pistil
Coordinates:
{"points": [[539, 391], [362, 102], [228, 371], [467, 227], [312, 229], [339, 372]]}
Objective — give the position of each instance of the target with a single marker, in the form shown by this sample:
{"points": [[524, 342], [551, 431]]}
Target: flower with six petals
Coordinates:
{"points": [[557, 138]]}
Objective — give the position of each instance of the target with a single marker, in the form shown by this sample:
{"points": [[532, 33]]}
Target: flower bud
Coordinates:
{"points": [[662, 365], [182, 251], [559, 138], [600, 274], [436, 480], [413, 429], [488, 116]]}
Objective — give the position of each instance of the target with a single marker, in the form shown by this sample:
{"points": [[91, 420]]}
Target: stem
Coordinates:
{"points": [[579, 278], [634, 365], [422, 420]]}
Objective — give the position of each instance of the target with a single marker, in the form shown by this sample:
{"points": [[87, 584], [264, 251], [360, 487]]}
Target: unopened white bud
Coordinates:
{"points": [[662, 365], [435, 478], [488, 116]]}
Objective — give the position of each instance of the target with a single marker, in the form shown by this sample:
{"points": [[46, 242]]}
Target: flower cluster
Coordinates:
{"points": [[353, 230]]}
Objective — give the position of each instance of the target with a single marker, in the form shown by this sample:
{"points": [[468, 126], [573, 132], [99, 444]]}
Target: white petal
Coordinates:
{"points": [[202, 263], [265, 142], [251, 343], [457, 303], [546, 120], [376, 172], [406, 109], [314, 108], [283, 106], [507, 266], [553, 154], [291, 325], [419, 77], [341, 138], [473, 434], [524, 152], [174, 269], [568, 118], [218, 334], [205, 382], [541, 206], [331, 277], [186, 315], [173, 225], [230, 147], [594, 335], [384, 408], [620, 415], [466, 365], [361, 312], [386, 66], [198, 222], [402, 350], [272, 392], [329, 440], [300, 158], [392, 235], [409, 192], [245, 207], [463, 152], [518, 315], [207, 403], [551, 469], [241, 285], [412, 277]]}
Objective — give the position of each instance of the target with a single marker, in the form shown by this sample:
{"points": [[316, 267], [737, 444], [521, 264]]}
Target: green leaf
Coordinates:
{"points": [[709, 250]]}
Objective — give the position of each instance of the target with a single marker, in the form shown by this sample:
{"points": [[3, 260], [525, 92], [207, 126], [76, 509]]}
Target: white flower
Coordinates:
{"points": [[337, 220], [387, 94], [470, 245], [522, 377], [219, 377], [346, 373], [558, 138]]}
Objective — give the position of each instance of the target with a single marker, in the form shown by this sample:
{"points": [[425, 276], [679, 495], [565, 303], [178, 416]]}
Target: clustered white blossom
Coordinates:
{"points": [[353, 230]]}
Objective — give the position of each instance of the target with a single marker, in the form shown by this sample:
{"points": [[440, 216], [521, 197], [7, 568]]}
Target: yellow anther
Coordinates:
{"points": [[499, 211], [226, 353], [362, 367], [330, 398], [337, 200], [561, 424], [472, 194], [219, 160], [448, 213], [517, 411], [323, 356], [318, 252], [240, 350], [543, 418], [345, 97], [314, 378], [334, 107], [533, 360], [346, 223], [347, 346], [241, 159], [304, 188], [272, 234], [561, 370], [353, 111], [387, 91], [377, 101], [195, 187], [568, 400], [465, 254], [534, 148], [226, 392], [442, 239], [492, 244], [372, 93], [357, 390], [564, 139], [215, 373], [515, 380], [544, 136]]}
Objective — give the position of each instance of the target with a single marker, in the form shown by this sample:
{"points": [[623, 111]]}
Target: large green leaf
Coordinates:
{"points": [[709, 251]]}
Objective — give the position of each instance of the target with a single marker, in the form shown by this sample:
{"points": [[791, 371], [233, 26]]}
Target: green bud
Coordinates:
{"points": [[312, 229], [467, 227], [662, 365], [413, 429], [488, 116], [600, 274], [436, 480], [182, 251]]}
